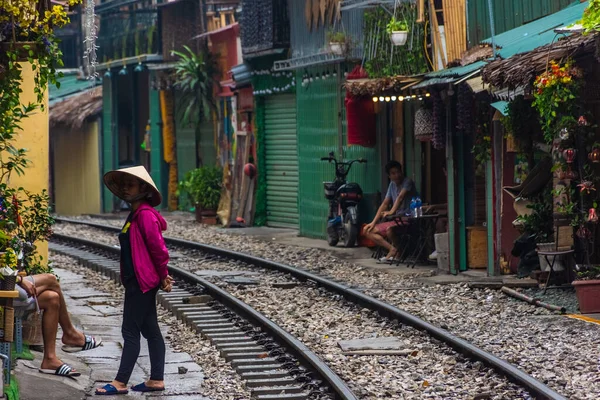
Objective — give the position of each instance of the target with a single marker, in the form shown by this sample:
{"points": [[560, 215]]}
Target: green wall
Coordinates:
{"points": [[319, 105]]}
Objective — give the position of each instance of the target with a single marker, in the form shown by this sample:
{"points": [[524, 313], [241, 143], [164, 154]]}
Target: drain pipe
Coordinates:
{"points": [[492, 28]]}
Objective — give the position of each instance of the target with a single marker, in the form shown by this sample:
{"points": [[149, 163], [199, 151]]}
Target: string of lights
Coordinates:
{"points": [[400, 98]]}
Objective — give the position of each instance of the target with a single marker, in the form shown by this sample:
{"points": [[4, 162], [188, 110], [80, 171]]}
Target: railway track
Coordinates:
{"points": [[274, 364], [535, 388]]}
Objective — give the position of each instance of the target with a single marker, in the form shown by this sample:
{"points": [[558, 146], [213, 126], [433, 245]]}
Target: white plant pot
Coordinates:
{"points": [[399, 38], [337, 48]]}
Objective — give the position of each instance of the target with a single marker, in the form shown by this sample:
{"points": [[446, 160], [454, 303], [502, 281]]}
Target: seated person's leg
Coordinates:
{"points": [[379, 234], [49, 283]]}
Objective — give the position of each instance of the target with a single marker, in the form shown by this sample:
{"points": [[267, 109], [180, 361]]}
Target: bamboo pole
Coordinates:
{"points": [[421, 12]]}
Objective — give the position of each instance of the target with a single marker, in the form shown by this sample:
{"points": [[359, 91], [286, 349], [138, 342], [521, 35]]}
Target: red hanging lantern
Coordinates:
{"points": [[569, 155], [593, 217], [594, 155], [250, 170]]}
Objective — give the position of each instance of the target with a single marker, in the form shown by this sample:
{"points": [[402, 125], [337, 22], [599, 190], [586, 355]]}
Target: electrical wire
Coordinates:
{"points": [[425, 45]]}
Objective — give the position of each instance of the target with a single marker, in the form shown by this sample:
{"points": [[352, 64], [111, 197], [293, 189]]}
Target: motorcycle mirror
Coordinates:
{"points": [[331, 154]]}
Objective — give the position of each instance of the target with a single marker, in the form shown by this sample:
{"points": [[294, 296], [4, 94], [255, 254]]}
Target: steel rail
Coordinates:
{"points": [[296, 347], [535, 387]]}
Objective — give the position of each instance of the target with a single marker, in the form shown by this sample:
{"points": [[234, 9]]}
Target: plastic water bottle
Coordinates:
{"points": [[419, 207], [413, 207]]}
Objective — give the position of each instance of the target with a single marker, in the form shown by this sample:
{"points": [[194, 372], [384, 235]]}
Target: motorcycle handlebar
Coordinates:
{"points": [[348, 163]]}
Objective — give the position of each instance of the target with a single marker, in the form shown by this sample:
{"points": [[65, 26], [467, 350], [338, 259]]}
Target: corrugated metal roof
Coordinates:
{"points": [[537, 33], [456, 72], [515, 41], [434, 81], [508, 14], [501, 106], [70, 84]]}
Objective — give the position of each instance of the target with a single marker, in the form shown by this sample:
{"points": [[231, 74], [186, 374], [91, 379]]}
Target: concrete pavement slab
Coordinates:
{"points": [[90, 310]]}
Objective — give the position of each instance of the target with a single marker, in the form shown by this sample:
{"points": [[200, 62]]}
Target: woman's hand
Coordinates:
{"points": [[368, 228], [28, 287], [167, 284], [388, 213]]}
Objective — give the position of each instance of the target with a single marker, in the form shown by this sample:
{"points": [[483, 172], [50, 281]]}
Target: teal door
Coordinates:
{"points": [[281, 155]]}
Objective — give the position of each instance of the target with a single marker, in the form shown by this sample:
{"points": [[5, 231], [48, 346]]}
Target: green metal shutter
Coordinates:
{"points": [[207, 151], [281, 154], [185, 143]]}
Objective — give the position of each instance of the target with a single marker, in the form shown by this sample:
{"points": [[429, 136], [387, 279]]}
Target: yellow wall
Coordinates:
{"points": [[34, 138], [76, 170]]}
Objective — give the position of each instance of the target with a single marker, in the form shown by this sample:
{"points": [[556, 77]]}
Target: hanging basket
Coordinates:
{"points": [[337, 48], [399, 38], [424, 124]]}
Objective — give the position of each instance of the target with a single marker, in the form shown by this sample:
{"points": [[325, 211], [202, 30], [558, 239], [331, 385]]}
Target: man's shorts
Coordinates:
{"points": [[24, 302]]}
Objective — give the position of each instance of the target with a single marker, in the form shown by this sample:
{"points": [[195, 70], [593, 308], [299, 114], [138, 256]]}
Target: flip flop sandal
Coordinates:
{"points": [[90, 343], [63, 370], [110, 390], [143, 388]]}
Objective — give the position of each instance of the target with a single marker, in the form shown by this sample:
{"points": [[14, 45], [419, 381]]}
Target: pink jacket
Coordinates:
{"points": [[148, 251]]}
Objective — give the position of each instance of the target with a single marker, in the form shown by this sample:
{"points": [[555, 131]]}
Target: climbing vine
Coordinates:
{"points": [[591, 17]]}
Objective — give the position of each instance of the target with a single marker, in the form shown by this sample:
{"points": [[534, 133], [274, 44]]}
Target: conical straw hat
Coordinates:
{"points": [[113, 181]]}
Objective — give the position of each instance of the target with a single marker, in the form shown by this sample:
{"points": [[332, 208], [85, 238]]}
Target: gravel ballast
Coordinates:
{"points": [[558, 351]]}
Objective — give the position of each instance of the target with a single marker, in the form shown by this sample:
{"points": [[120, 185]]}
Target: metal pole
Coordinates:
{"points": [[492, 28]]}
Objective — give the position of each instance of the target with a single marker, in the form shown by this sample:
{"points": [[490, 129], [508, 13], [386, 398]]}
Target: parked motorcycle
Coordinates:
{"points": [[343, 199]]}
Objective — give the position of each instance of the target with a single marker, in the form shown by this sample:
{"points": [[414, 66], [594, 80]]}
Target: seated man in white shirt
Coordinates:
{"points": [[399, 194]]}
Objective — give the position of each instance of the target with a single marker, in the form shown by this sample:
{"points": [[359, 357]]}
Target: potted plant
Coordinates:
{"points": [[338, 42], [587, 288], [202, 188], [398, 31]]}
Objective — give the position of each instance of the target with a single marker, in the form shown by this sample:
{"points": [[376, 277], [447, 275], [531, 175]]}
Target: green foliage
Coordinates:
{"points": [[591, 17], [588, 273], [202, 187], [336, 36], [382, 58], [24, 216], [555, 93], [396, 25], [540, 222], [521, 122], [194, 75], [482, 146]]}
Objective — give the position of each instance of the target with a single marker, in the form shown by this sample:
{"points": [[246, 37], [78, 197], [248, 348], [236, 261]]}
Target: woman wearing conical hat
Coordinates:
{"points": [[144, 259]]}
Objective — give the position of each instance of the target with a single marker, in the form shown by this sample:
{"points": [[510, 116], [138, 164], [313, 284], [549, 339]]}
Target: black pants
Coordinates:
{"points": [[139, 316]]}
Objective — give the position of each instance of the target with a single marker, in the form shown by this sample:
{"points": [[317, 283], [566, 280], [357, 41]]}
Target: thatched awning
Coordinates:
{"points": [[379, 86], [75, 110], [521, 69]]}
